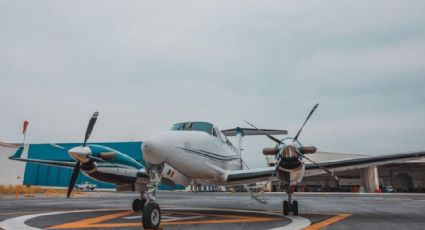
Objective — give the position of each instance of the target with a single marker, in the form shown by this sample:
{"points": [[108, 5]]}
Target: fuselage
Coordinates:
{"points": [[197, 154]]}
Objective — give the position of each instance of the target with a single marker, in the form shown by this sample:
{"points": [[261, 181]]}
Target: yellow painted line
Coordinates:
{"points": [[91, 221], [327, 222]]}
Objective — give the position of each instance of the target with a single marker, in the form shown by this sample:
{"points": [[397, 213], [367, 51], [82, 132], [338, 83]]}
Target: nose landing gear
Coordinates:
{"points": [[289, 205], [151, 216]]}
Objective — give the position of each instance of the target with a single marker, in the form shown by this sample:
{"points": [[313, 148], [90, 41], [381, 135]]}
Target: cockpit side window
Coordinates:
{"points": [[202, 126], [178, 126]]}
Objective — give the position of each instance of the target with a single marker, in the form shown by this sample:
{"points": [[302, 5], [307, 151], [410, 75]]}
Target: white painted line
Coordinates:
{"points": [[183, 218], [132, 217], [298, 222]]}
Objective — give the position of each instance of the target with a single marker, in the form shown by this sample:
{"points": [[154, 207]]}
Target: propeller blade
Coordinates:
{"points": [[308, 117], [90, 127], [73, 179], [321, 167], [56, 146], [261, 131]]}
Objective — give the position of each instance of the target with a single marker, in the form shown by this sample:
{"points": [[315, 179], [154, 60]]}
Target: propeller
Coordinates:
{"points": [[263, 132], [301, 151], [321, 167], [56, 146], [90, 127], [305, 122], [77, 167], [74, 176]]}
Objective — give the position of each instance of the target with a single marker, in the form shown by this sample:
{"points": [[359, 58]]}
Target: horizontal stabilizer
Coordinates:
{"points": [[250, 131]]}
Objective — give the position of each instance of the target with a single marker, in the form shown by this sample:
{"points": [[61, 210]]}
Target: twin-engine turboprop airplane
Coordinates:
{"points": [[96, 161], [199, 153]]}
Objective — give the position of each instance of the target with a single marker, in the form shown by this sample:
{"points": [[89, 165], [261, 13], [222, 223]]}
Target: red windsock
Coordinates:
{"points": [[25, 126]]}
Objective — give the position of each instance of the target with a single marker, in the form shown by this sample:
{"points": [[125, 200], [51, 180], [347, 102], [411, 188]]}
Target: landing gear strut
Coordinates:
{"points": [[151, 216], [289, 205]]}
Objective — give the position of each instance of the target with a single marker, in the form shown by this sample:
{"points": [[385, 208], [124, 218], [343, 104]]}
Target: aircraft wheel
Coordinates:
{"points": [[151, 217], [137, 204], [285, 208], [142, 204], [295, 207]]}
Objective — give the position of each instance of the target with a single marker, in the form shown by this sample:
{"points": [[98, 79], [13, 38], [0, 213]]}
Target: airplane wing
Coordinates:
{"points": [[248, 176], [250, 131], [362, 162], [17, 157]]}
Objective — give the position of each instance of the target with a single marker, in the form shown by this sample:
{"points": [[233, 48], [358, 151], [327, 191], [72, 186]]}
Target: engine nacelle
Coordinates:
{"points": [[270, 151], [308, 149]]}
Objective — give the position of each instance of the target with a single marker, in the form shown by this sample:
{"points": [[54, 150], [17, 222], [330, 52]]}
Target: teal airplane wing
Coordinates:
{"points": [[17, 157]]}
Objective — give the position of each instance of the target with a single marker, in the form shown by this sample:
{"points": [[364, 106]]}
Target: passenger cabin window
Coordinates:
{"points": [[194, 126]]}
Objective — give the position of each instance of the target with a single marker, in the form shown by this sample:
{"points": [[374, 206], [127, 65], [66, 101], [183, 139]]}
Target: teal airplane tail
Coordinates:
{"points": [[17, 154]]}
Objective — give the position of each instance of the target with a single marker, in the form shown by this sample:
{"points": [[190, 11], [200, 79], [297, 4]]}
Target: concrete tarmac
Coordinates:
{"points": [[186, 210]]}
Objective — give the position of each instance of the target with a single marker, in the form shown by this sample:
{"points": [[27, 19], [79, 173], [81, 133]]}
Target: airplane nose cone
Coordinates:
{"points": [[154, 150], [80, 153]]}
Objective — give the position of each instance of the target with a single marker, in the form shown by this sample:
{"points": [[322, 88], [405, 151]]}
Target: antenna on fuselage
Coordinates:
{"points": [[239, 136]]}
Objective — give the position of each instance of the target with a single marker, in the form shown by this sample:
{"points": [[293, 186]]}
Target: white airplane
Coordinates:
{"points": [[198, 153]]}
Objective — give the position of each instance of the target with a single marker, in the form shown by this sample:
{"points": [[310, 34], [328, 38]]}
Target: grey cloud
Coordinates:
{"points": [[145, 65]]}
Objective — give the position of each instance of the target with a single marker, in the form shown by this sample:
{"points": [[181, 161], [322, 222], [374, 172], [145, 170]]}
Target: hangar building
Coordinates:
{"points": [[402, 177]]}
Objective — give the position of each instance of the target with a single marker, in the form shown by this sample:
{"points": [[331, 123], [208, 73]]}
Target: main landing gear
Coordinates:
{"points": [[289, 205]]}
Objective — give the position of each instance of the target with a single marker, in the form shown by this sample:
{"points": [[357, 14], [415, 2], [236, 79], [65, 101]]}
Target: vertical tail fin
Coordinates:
{"points": [[17, 154]]}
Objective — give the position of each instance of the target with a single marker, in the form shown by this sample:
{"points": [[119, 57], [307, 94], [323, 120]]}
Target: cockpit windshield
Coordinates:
{"points": [[194, 126]]}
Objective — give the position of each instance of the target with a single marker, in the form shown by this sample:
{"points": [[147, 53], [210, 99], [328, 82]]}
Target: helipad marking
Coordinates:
{"points": [[96, 221], [19, 222], [166, 218]]}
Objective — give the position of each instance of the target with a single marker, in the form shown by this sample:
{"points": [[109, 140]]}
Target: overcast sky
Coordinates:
{"points": [[147, 64]]}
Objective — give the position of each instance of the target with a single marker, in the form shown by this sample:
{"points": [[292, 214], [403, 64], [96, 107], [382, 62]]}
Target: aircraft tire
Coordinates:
{"points": [[295, 208], [142, 205], [137, 204], [285, 208], [151, 217]]}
